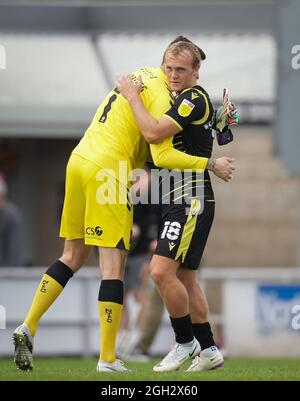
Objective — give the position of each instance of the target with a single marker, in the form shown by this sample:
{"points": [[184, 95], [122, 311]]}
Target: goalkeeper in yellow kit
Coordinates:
{"points": [[110, 149]]}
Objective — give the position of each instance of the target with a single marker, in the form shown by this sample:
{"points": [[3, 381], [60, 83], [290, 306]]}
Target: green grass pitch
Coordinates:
{"points": [[84, 369]]}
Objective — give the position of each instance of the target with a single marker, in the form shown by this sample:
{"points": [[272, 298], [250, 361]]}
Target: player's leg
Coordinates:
{"points": [[210, 357], [198, 307], [110, 305], [50, 287], [108, 223], [55, 279], [197, 300], [175, 297], [176, 233], [75, 251], [163, 273], [58, 274]]}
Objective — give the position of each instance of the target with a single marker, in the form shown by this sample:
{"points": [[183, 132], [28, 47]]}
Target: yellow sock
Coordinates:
{"points": [[110, 317], [46, 293]]}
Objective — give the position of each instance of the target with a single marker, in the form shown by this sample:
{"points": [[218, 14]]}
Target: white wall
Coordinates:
{"points": [[256, 312]]}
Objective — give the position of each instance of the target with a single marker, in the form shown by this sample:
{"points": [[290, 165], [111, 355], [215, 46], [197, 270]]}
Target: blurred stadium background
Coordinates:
{"points": [[58, 60]]}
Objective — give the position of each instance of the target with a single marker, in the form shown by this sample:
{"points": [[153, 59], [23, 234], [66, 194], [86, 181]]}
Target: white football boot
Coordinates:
{"points": [[177, 356], [23, 341], [116, 366], [210, 358]]}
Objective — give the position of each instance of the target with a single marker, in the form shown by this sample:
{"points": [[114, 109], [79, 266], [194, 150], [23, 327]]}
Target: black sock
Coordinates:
{"points": [[111, 291], [183, 329], [203, 333], [60, 272]]}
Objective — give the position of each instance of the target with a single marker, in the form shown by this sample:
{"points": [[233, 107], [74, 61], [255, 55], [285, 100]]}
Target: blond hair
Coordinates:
{"points": [[178, 47]]}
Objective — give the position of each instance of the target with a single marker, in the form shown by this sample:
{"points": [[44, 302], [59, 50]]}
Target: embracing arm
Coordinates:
{"points": [[159, 134], [166, 156], [153, 131]]}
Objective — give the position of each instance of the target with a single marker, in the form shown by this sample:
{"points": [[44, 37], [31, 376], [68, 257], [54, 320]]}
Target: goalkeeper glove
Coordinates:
{"points": [[227, 113], [226, 116]]}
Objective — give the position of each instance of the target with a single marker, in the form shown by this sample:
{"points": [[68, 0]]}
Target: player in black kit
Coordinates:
{"points": [[187, 206]]}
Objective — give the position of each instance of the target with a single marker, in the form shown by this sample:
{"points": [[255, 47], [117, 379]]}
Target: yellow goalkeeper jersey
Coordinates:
{"points": [[114, 135]]}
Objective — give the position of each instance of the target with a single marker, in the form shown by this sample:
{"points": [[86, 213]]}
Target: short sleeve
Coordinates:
{"points": [[190, 106]]}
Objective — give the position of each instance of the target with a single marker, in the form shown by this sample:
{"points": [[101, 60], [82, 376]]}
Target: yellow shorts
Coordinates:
{"points": [[97, 207]]}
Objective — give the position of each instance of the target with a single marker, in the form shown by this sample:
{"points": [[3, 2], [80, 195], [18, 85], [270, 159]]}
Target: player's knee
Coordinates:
{"points": [[158, 276], [74, 260], [189, 284]]}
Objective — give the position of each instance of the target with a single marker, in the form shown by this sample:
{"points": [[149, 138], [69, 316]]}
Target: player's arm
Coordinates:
{"points": [[165, 156], [191, 106], [163, 153], [154, 131]]}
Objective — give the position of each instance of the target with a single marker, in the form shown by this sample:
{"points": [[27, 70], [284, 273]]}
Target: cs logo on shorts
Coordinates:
{"points": [[171, 230], [94, 231]]}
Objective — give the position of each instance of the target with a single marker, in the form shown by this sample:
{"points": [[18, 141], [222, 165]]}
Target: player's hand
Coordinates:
{"points": [[224, 168], [227, 114], [130, 86]]}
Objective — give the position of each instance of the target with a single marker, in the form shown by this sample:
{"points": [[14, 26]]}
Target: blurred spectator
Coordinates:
{"points": [[153, 315], [10, 230]]}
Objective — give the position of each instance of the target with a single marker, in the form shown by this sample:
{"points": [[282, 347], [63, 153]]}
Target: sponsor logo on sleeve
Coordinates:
{"points": [[185, 108]]}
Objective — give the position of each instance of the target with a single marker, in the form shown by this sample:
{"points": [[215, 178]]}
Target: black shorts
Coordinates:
{"points": [[182, 236]]}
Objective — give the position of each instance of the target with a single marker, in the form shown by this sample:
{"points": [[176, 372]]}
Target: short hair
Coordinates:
{"points": [[184, 39], [182, 43]]}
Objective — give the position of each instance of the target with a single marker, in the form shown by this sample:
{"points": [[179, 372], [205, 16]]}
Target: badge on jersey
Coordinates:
{"points": [[185, 108]]}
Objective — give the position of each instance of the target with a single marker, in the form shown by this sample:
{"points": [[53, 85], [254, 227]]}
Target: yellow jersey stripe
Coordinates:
{"points": [[188, 230], [174, 121], [205, 117]]}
